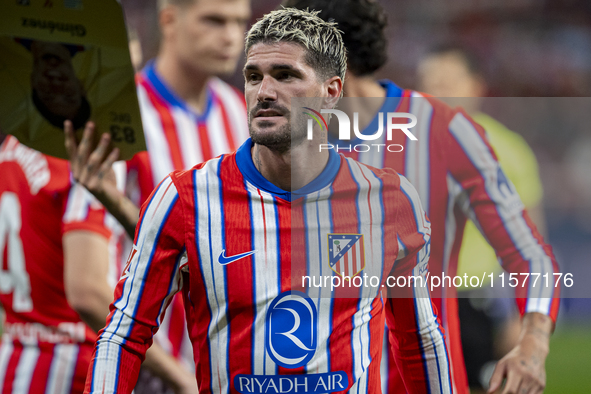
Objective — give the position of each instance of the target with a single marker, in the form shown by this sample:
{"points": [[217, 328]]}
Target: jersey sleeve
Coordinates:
{"points": [[140, 180], [416, 336], [84, 212], [150, 279], [489, 199]]}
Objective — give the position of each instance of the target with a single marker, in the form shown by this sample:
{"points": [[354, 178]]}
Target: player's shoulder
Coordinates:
{"points": [[431, 105], [388, 177], [227, 94], [211, 166], [29, 166]]}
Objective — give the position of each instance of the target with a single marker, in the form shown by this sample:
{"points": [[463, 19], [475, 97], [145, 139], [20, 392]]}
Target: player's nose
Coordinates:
{"points": [[267, 90]]}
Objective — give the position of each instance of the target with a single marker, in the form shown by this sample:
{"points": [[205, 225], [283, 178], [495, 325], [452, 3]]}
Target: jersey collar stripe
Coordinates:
{"points": [[151, 77]]}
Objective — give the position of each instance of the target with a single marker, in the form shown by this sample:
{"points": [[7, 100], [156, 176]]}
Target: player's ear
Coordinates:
{"points": [[334, 87], [166, 19]]}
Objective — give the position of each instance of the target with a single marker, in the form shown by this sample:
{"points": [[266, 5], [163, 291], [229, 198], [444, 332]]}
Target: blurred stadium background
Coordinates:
{"points": [[529, 48]]}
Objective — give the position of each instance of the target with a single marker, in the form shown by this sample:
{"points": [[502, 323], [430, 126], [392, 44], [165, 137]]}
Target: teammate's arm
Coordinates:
{"points": [[151, 278], [415, 333], [86, 264], [94, 170], [495, 207]]}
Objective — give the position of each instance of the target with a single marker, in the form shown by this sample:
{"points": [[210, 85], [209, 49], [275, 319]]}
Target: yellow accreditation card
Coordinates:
{"points": [[67, 59]]}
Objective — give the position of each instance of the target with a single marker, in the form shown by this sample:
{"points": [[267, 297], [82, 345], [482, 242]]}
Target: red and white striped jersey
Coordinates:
{"points": [[457, 176], [177, 138], [45, 348], [237, 247]]}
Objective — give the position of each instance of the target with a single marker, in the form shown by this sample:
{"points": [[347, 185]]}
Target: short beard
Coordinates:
{"points": [[279, 141], [283, 139]]}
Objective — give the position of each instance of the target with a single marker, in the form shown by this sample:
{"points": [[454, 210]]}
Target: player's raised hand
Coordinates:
{"points": [[90, 167], [94, 170], [524, 366]]}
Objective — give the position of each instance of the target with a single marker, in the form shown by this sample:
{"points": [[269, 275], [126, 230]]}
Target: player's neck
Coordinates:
{"points": [[188, 84], [291, 170]]}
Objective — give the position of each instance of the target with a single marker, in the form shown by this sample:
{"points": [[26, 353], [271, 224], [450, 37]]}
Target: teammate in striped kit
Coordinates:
{"points": [[188, 113], [222, 233], [46, 225], [457, 175]]}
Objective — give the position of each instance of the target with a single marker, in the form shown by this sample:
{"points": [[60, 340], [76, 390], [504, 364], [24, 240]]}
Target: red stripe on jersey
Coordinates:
{"points": [[290, 218], [11, 368], [239, 275], [344, 219], [168, 125], [40, 376], [176, 331], [204, 141]]}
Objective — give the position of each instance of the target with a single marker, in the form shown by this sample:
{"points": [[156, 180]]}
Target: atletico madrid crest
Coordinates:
{"points": [[346, 254]]}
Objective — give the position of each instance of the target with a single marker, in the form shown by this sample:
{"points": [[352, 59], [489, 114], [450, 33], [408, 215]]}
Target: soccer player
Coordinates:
{"points": [[189, 115], [58, 247], [54, 243], [221, 233], [488, 325], [457, 176]]}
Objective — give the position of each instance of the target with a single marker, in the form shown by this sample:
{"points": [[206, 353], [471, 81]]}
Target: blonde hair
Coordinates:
{"points": [[322, 40]]}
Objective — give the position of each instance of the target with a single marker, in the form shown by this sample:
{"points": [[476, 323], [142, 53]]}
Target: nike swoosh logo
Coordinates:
{"points": [[223, 259]]}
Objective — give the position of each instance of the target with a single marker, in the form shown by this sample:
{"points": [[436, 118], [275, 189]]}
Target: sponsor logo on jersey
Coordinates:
{"points": [[286, 384], [223, 259], [291, 329], [346, 254]]}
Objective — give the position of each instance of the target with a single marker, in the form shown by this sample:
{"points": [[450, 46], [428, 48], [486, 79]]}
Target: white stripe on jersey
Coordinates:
{"points": [[160, 159], [362, 175], [317, 215], [371, 157], [121, 323], [210, 235], [26, 367], [433, 346], [417, 157], [369, 206], [6, 350], [215, 132], [79, 201], [267, 272], [235, 109], [188, 136], [509, 208], [61, 372]]}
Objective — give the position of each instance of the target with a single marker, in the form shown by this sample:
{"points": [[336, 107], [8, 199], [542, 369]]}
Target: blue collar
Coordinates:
{"points": [[250, 172], [393, 96], [170, 96]]}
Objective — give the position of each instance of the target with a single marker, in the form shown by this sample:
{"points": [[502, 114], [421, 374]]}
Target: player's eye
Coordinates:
{"points": [[284, 75], [215, 20], [253, 77]]}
